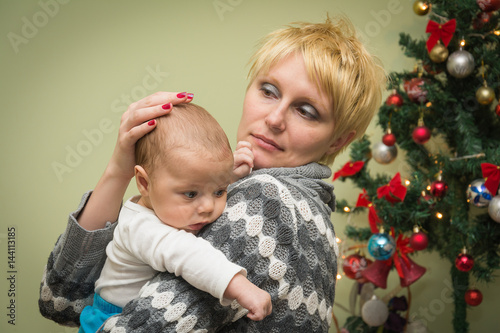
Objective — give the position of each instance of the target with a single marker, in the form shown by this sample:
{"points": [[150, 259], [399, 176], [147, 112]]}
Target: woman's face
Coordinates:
{"points": [[288, 121]]}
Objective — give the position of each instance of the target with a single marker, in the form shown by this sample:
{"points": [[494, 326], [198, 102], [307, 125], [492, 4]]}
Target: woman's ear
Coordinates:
{"points": [[340, 142], [142, 180]]}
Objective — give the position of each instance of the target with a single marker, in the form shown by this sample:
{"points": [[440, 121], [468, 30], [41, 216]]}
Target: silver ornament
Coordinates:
{"points": [[478, 194], [494, 208], [460, 64], [374, 312], [384, 154]]}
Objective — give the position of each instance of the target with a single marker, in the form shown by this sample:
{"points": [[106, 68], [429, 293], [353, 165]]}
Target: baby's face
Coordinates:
{"points": [[192, 194]]}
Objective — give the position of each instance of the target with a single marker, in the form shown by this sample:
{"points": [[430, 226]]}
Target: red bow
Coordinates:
{"points": [[394, 191], [491, 174], [349, 169], [373, 219], [440, 31], [400, 256]]}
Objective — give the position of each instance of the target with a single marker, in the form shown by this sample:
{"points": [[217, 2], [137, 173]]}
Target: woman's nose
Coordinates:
{"points": [[275, 120]]}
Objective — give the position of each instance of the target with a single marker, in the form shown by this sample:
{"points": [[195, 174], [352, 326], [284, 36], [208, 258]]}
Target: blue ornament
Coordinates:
{"points": [[381, 246], [478, 194]]}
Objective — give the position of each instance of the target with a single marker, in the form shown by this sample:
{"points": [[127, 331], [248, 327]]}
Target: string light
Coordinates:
{"points": [[337, 240], [497, 32], [339, 276], [428, 187], [423, 6], [407, 182], [439, 215], [347, 209], [462, 42]]}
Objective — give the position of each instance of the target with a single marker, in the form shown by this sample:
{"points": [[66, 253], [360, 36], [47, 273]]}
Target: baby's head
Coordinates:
{"points": [[184, 167]]}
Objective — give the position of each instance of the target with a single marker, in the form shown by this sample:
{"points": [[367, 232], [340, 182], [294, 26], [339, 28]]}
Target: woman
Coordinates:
{"points": [[313, 89]]}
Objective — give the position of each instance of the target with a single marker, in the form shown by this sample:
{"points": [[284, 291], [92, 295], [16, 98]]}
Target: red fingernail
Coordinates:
{"points": [[151, 122], [166, 106], [181, 95], [190, 96]]}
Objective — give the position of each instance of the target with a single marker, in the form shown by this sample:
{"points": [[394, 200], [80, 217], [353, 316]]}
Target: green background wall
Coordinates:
{"points": [[70, 68]]}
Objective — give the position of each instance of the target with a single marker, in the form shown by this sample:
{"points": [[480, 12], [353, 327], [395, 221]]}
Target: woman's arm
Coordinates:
{"points": [[105, 202], [73, 267]]}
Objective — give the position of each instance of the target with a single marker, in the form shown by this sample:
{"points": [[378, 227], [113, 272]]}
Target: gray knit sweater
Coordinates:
{"points": [[276, 224]]}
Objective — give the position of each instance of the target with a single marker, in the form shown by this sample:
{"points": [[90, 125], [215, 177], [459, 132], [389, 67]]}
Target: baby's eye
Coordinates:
{"points": [[220, 193], [191, 194]]}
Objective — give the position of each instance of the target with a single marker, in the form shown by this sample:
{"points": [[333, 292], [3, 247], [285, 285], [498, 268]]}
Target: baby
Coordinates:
{"points": [[184, 167]]}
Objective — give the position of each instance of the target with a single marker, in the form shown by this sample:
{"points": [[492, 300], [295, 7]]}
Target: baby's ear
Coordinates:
{"points": [[142, 180]]}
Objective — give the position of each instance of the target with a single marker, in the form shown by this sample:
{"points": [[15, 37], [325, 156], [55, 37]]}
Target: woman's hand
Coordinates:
{"points": [[139, 119]]}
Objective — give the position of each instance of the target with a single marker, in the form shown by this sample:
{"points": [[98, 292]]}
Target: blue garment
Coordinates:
{"points": [[92, 317]]}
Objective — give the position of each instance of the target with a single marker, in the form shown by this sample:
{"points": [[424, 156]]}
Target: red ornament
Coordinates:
{"points": [[353, 265], [488, 5], [415, 91], [421, 134], [378, 272], [429, 69], [419, 241], [395, 100], [439, 188], [481, 19], [473, 297], [497, 109], [389, 139], [464, 262]]}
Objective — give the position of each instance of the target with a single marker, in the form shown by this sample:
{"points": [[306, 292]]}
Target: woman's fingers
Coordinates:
{"points": [[161, 97], [153, 106]]}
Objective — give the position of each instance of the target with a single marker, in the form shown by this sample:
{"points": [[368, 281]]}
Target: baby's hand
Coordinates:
{"points": [[255, 300], [258, 304], [243, 160]]}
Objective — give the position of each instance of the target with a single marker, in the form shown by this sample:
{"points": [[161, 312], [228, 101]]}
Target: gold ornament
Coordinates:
{"points": [[439, 53], [421, 7], [485, 95]]}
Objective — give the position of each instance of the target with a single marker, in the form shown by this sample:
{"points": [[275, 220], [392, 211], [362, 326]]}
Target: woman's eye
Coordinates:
{"points": [[307, 111], [269, 90], [191, 194]]}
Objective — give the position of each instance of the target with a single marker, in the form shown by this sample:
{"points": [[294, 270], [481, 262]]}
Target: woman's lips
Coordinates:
{"points": [[266, 143]]}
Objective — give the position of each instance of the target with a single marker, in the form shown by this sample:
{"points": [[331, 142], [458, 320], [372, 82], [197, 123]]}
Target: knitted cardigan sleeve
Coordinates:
{"points": [[278, 227], [73, 266]]}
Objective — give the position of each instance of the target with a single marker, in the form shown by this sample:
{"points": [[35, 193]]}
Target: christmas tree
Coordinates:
{"points": [[445, 116]]}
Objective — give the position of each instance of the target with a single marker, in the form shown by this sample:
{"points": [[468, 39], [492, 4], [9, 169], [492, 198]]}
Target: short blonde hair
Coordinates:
{"points": [[187, 128], [340, 65]]}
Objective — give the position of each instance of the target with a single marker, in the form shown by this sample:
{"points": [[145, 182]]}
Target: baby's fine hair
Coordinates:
{"points": [[188, 128], [340, 65]]}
